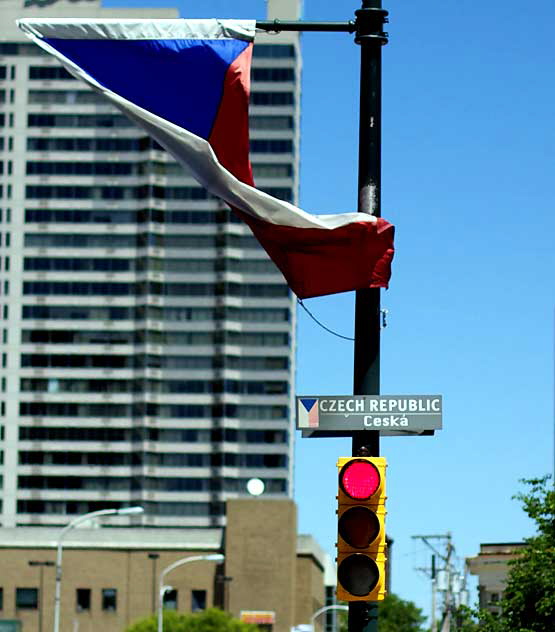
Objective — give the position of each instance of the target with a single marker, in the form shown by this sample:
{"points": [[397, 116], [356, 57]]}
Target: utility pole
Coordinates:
{"points": [[446, 579], [446, 621], [434, 594]]}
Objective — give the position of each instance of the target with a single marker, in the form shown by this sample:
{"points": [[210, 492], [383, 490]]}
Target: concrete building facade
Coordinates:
{"points": [[147, 340], [110, 576], [491, 565]]}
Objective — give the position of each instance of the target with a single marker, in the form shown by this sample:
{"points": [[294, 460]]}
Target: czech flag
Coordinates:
{"points": [[187, 83]]}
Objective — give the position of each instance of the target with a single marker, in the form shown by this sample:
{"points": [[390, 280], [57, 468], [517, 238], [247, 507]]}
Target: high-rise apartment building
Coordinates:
{"points": [[147, 341]]}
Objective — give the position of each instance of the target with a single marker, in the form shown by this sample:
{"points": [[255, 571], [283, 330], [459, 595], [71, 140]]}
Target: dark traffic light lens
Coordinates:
{"points": [[359, 527], [359, 479], [358, 574]]}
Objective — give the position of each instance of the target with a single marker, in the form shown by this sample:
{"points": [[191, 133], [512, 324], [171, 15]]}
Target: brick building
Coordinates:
{"points": [[110, 575]]}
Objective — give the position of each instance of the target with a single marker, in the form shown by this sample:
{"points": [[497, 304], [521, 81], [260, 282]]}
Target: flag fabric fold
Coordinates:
{"points": [[187, 84]]}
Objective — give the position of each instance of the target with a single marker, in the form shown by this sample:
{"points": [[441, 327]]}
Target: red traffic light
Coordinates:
{"points": [[359, 479], [361, 545]]}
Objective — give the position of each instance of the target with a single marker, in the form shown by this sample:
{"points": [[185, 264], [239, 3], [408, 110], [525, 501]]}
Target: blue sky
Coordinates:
{"points": [[468, 180]]}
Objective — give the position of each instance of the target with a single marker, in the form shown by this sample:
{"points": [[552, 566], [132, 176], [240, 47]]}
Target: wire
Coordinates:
{"points": [[300, 302]]}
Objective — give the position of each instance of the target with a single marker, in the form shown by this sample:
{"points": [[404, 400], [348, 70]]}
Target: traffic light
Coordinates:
{"points": [[361, 544]]}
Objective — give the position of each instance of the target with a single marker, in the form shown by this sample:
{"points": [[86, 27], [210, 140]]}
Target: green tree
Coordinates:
{"points": [[394, 615], [211, 620], [397, 615], [528, 603], [468, 620]]}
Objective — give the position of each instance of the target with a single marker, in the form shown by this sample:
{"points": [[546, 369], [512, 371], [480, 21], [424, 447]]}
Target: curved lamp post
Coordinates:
{"points": [[325, 609], [93, 514], [212, 557]]}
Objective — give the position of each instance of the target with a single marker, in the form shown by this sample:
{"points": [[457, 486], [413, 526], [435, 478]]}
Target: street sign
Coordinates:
{"points": [[390, 415]]}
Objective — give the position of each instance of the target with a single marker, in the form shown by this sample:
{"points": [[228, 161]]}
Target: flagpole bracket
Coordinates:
{"points": [[369, 23], [277, 26]]}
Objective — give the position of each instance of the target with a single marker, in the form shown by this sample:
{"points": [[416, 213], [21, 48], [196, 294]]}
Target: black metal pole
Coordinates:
{"points": [[366, 371], [363, 616]]}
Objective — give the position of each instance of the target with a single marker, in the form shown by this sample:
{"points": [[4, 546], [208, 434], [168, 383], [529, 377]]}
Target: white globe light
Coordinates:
{"points": [[255, 487]]}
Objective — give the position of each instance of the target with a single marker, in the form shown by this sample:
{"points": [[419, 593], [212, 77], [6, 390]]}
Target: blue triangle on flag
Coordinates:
{"points": [[308, 403], [180, 80]]}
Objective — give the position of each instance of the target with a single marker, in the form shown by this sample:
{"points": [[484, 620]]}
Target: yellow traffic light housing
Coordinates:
{"points": [[361, 540]]}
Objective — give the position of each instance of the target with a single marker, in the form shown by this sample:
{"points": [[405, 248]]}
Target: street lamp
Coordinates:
{"points": [[126, 511], [211, 557], [41, 565], [325, 609]]}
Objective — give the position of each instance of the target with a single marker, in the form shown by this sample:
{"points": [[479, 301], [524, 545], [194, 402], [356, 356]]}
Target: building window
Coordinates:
{"points": [[198, 600], [273, 74], [1, 599], [170, 600], [109, 599], [264, 170], [272, 98], [271, 146], [79, 97], [48, 72], [271, 122], [26, 598], [83, 599], [273, 51]]}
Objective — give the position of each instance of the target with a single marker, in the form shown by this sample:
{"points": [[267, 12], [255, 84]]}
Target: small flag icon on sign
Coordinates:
{"points": [[308, 412]]}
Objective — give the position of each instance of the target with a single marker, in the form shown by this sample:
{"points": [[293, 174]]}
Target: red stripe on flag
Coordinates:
{"points": [[229, 137], [318, 261]]}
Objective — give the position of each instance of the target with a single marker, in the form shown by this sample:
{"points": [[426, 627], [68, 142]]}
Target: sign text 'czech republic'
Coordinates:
{"points": [[388, 414]]}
